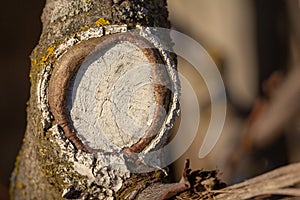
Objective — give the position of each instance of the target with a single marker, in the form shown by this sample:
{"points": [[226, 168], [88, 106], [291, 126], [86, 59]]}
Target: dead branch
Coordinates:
{"points": [[276, 182]]}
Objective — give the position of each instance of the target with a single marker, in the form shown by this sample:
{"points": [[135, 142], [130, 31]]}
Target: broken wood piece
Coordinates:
{"points": [[276, 182]]}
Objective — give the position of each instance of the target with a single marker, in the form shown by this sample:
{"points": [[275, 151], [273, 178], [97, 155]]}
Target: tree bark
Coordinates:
{"points": [[52, 162]]}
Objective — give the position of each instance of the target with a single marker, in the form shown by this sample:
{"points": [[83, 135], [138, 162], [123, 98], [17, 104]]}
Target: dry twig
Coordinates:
{"points": [[276, 182]]}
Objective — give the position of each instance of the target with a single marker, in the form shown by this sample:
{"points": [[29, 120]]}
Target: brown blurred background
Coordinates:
{"points": [[256, 45], [249, 40], [20, 29]]}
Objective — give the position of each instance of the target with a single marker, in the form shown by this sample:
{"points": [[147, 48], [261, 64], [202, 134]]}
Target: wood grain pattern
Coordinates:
{"points": [[66, 67]]}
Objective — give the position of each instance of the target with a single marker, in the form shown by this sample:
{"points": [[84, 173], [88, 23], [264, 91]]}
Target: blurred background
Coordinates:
{"points": [[255, 45], [20, 29]]}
